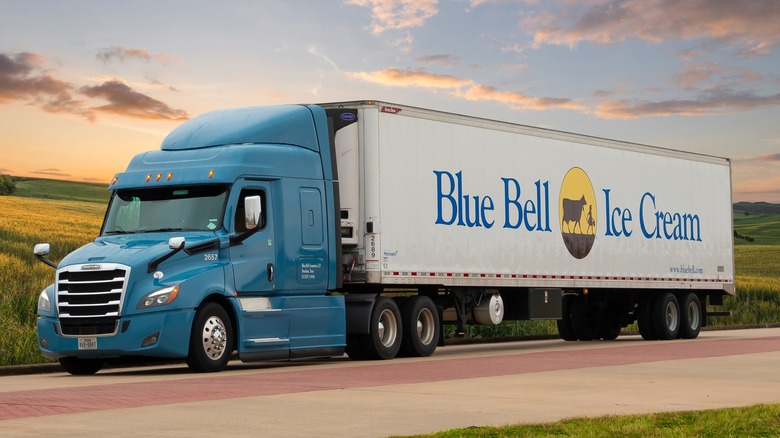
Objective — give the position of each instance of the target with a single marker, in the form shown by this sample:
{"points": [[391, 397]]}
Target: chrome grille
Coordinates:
{"points": [[89, 298]]}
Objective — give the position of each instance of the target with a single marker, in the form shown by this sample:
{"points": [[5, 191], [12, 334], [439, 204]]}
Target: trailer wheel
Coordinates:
{"points": [[666, 316], [581, 321], [211, 341], [691, 316], [81, 367], [565, 331], [420, 322], [644, 319]]}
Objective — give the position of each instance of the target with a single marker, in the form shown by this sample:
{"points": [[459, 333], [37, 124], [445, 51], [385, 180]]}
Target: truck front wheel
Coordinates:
{"points": [[81, 367], [211, 341]]}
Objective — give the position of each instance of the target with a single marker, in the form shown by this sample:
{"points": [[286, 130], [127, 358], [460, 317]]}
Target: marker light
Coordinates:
{"points": [[116, 178], [148, 177], [211, 173], [159, 175], [170, 175]]}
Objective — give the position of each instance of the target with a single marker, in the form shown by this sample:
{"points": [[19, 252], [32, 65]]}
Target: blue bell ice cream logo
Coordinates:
{"points": [[578, 213]]}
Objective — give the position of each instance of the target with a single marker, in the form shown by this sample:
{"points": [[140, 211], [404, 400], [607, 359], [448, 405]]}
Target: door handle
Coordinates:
{"points": [[270, 272]]}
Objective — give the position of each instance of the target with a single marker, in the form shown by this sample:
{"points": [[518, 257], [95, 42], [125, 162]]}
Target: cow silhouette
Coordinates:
{"points": [[572, 212]]}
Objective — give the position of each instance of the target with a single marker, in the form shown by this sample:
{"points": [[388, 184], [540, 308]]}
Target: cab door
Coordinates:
{"points": [[264, 322], [253, 258]]}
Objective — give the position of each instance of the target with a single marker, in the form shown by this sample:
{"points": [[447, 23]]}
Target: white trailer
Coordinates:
{"points": [[494, 221]]}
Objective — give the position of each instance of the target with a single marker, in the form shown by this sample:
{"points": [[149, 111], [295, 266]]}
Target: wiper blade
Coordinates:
{"points": [[163, 230]]}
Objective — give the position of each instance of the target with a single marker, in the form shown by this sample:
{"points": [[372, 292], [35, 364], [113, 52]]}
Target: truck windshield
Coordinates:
{"points": [[182, 208]]}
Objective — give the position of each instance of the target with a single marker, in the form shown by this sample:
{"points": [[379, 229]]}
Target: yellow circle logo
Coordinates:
{"points": [[577, 212]]}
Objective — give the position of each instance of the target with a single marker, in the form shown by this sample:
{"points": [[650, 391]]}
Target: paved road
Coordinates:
{"points": [[460, 386]]}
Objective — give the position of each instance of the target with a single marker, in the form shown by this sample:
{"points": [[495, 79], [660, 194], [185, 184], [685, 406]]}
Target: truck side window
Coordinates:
{"points": [[239, 223]]}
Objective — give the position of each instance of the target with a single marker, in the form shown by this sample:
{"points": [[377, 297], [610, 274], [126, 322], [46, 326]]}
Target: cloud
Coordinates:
{"points": [[397, 14], [464, 88], [711, 102], [124, 101], [412, 78], [313, 50], [766, 189], [767, 158], [51, 172], [751, 26], [447, 60], [24, 79], [4, 171], [518, 100], [122, 54], [695, 74]]}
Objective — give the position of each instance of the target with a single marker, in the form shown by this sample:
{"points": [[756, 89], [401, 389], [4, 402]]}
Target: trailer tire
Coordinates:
{"points": [[666, 316], [690, 316], [81, 366], [644, 319], [565, 331], [420, 323], [581, 322], [211, 340]]}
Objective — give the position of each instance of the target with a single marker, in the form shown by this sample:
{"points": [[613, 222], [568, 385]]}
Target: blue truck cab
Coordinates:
{"points": [[226, 239]]}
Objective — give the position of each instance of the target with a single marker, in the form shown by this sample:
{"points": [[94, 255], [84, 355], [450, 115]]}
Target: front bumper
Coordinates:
{"points": [[170, 328]]}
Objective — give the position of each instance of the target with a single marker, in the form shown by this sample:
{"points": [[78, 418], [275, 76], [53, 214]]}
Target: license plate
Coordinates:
{"points": [[87, 343]]}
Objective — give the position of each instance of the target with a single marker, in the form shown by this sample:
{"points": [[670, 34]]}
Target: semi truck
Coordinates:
{"points": [[365, 227]]}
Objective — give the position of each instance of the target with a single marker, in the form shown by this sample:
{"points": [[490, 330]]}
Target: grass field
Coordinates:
{"points": [[62, 190], [760, 229], [65, 225]]}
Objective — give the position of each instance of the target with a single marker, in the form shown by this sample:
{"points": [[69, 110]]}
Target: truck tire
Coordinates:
{"points": [[666, 316], [420, 323], [384, 338], [565, 331], [81, 367], [581, 321], [644, 319], [690, 315], [211, 341]]}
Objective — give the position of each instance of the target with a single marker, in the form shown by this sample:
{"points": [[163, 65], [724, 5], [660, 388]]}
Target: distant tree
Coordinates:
{"points": [[7, 185]]}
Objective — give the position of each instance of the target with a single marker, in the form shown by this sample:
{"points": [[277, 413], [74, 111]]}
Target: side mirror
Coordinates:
{"points": [[253, 210], [42, 249], [176, 243]]}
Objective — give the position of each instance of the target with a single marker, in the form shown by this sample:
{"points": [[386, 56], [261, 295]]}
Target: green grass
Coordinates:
{"points": [[763, 229], [62, 190], [754, 421]]}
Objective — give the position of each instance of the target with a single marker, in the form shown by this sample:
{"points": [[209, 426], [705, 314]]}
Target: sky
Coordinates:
{"points": [[86, 85]]}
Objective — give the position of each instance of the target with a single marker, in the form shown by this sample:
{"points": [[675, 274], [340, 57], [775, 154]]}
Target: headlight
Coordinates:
{"points": [[44, 304], [159, 297]]}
